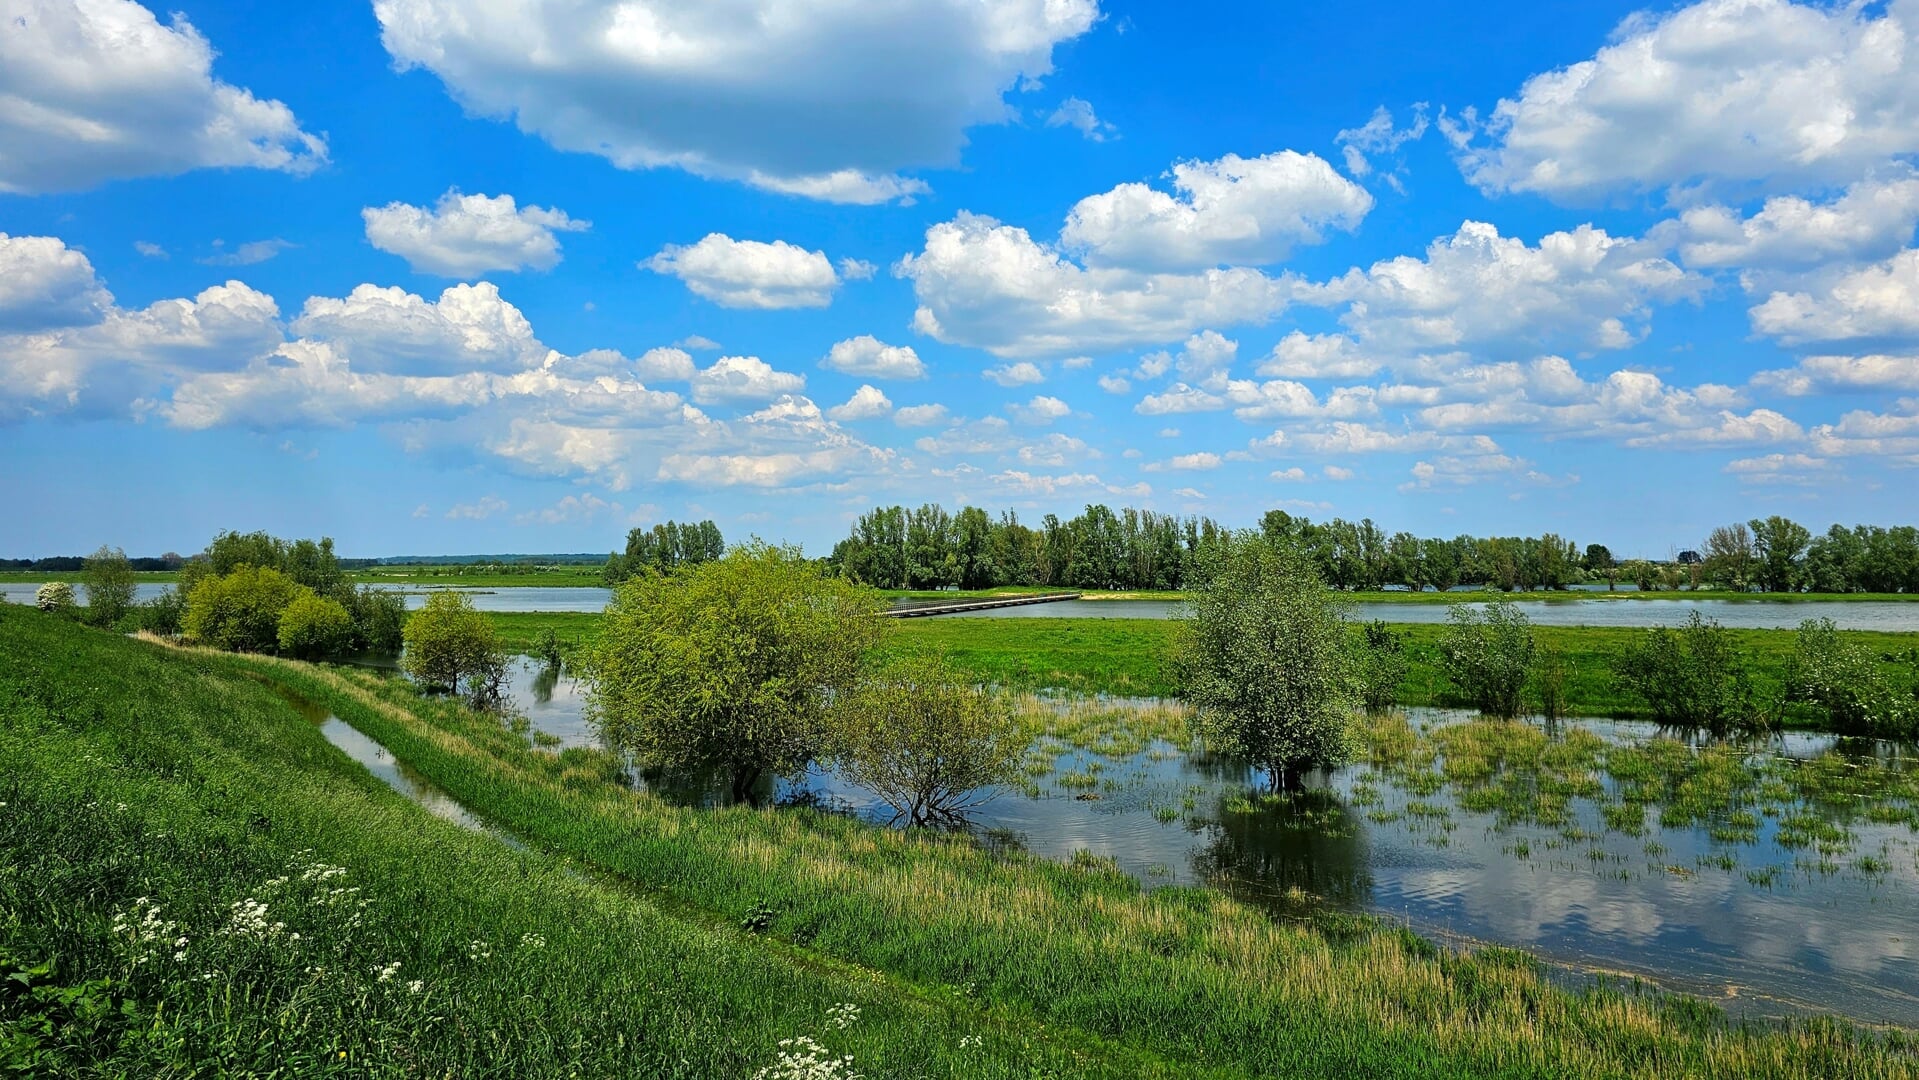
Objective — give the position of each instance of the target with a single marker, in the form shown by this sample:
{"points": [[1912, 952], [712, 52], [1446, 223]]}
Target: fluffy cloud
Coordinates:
{"points": [[1378, 136], [666, 364], [802, 98], [749, 273], [991, 286], [569, 509], [1040, 411], [467, 235], [470, 328], [1478, 289], [1239, 211], [869, 357], [1724, 92], [1321, 356], [1871, 220], [1024, 373], [1876, 302], [45, 285], [867, 403], [98, 90], [743, 378], [920, 416], [1823, 374]]}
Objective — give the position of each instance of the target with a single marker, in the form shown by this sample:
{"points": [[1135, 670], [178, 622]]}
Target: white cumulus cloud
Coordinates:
{"points": [[99, 90], [869, 357], [743, 378], [465, 236], [749, 273], [815, 98]]}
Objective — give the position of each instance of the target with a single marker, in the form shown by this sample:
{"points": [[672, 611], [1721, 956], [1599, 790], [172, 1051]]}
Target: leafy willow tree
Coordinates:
{"points": [[1692, 677], [240, 611], [1730, 559], [452, 646], [109, 580], [1383, 665], [734, 664], [1266, 660], [1489, 655], [313, 626], [929, 743], [1849, 682]]}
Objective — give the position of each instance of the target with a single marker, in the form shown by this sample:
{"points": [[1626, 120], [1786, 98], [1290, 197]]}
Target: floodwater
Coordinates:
{"points": [[1575, 608], [1759, 927]]}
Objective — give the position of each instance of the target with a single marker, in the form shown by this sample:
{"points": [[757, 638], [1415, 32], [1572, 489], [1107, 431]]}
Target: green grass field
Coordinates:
{"points": [[1128, 656], [154, 795]]}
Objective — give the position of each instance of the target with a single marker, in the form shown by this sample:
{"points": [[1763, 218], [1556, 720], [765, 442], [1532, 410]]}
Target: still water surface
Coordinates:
{"points": [[1574, 609], [1685, 912]]}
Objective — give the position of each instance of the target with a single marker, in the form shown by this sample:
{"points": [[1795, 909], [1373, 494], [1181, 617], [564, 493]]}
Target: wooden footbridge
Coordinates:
{"points": [[939, 607]]}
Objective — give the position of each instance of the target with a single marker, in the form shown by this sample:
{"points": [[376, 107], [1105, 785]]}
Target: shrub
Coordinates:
{"points": [[379, 620], [1489, 655], [732, 664], [1691, 677], [1382, 666], [926, 741], [240, 612], [109, 580], [1846, 681], [451, 646], [1266, 662], [163, 614], [314, 626], [54, 597]]}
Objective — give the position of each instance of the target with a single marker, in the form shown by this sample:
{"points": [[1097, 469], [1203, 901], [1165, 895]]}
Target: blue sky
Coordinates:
{"points": [[479, 275]]}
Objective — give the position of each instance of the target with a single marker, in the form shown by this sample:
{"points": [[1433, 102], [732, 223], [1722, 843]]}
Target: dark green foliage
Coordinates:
{"points": [[379, 620], [109, 580], [664, 547], [1691, 677], [1858, 690], [1382, 665], [1489, 656]]}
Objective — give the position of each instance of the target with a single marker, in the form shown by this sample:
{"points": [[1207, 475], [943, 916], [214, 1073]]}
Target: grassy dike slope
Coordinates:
{"points": [[183, 861], [1185, 976]]}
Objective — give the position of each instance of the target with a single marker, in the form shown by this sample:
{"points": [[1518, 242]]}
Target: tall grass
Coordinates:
{"points": [[1182, 974], [194, 883]]}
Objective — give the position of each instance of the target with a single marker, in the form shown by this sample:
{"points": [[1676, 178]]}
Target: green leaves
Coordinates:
{"points": [[451, 645]]}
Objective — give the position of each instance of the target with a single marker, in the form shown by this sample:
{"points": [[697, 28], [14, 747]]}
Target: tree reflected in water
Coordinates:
{"points": [[1287, 851]]}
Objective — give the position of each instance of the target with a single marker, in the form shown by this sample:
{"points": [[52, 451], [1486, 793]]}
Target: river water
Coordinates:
{"points": [[1580, 608], [1759, 924]]}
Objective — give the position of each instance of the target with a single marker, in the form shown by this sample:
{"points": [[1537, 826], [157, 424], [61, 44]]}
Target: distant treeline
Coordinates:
{"points": [[930, 548], [665, 547], [73, 563]]}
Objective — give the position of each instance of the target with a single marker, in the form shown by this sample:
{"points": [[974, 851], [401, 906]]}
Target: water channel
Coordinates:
{"points": [[1761, 921], [1576, 608]]}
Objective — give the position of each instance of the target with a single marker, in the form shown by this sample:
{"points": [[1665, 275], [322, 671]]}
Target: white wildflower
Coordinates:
{"points": [[803, 1059], [532, 941], [843, 1015], [386, 973], [479, 950], [249, 919], [415, 986], [970, 1042]]}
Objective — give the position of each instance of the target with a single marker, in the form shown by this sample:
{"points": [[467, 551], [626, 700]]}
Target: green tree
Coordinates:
{"points": [[733, 664], [1382, 666], [1691, 677], [1779, 546], [927, 742], [313, 626], [1265, 659], [1729, 556], [379, 620], [231, 550], [109, 580], [1848, 682], [451, 646], [240, 611], [1489, 655], [1600, 563]]}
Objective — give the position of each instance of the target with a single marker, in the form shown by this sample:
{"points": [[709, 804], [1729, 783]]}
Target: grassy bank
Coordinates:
{"points": [[1128, 656], [1178, 975], [194, 883]]}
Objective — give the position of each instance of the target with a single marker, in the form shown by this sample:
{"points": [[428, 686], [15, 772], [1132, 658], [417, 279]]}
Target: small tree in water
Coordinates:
{"points": [[733, 664], [1692, 677], [1266, 660], [1489, 655], [448, 644], [927, 742], [1382, 666]]}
